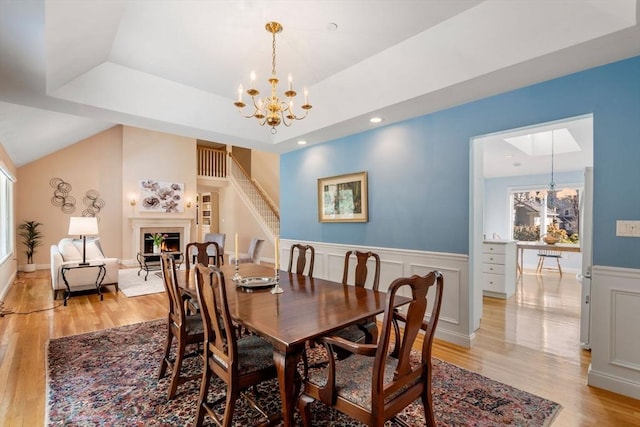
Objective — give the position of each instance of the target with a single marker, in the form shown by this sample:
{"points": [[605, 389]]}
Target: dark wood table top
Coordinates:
{"points": [[308, 307]]}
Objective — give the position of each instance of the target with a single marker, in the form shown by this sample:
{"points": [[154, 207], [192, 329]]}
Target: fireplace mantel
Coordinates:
{"points": [[138, 223]]}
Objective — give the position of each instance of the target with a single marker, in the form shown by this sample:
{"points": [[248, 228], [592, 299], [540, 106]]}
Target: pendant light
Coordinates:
{"points": [[552, 184]]}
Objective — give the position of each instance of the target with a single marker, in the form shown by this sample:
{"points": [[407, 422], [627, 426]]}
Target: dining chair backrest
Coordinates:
{"points": [[361, 269], [169, 278], [186, 329], [201, 251], [301, 260], [216, 319]]}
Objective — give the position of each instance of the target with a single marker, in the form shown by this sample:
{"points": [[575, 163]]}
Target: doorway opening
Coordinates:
{"points": [[506, 167]]}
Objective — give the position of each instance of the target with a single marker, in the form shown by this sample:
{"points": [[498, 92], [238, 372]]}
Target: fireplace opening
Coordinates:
{"points": [[171, 243]]}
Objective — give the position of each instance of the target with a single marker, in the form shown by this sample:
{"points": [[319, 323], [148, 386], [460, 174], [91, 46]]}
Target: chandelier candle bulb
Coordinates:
{"points": [[236, 248], [240, 90], [290, 82]]}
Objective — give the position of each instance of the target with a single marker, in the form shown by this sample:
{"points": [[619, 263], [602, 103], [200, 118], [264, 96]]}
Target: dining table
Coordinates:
{"points": [[538, 246], [306, 309]]}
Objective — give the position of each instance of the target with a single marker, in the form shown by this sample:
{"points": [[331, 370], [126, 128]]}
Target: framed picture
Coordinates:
{"points": [[343, 198], [158, 196]]}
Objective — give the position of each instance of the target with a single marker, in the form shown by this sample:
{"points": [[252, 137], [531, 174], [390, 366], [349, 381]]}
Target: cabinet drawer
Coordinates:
{"points": [[493, 268], [493, 258], [493, 282], [492, 248]]}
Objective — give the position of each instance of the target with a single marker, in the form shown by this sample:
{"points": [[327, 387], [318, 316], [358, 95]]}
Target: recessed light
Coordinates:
{"points": [[302, 142], [332, 26], [375, 119]]}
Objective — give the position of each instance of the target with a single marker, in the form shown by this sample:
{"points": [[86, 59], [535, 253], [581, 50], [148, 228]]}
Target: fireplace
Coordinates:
{"points": [[147, 226], [172, 242]]}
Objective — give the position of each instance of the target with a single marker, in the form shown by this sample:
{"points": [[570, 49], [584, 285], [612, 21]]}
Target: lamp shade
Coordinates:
{"points": [[83, 226]]}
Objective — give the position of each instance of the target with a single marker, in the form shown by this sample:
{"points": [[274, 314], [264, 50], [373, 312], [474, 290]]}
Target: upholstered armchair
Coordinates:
{"points": [[68, 252], [253, 255], [218, 238]]}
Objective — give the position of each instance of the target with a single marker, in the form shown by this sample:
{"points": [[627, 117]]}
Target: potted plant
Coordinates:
{"points": [[31, 238], [158, 238]]}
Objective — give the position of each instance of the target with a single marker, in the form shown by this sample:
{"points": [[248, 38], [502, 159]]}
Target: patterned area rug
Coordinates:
{"points": [[132, 285], [109, 378]]}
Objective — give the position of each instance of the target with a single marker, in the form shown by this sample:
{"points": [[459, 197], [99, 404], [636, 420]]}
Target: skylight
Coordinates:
{"points": [[539, 144]]}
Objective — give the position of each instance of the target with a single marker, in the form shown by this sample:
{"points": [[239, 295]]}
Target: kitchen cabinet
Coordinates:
{"points": [[499, 268]]}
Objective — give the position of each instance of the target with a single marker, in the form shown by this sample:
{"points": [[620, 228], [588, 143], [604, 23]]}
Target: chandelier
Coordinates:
{"points": [[272, 110]]}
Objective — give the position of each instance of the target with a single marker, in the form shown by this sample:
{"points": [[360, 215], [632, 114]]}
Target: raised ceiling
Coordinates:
{"points": [[70, 69]]}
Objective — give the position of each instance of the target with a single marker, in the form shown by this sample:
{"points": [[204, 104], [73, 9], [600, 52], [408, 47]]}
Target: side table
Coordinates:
{"points": [[102, 271], [149, 261]]}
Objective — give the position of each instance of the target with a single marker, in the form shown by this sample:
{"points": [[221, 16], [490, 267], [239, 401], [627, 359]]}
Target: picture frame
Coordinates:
{"points": [[343, 198], [160, 196]]}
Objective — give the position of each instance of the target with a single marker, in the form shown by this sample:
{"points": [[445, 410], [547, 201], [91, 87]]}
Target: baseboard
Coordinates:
{"points": [[613, 383]]}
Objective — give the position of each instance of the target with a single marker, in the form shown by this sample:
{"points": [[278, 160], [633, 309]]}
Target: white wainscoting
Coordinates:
{"points": [[454, 323], [615, 330]]}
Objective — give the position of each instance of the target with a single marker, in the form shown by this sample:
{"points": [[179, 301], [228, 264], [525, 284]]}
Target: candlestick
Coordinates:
{"points": [[237, 277], [277, 289], [276, 273]]}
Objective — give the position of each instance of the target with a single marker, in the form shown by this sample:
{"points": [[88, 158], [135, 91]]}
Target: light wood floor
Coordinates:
{"points": [[530, 341]]}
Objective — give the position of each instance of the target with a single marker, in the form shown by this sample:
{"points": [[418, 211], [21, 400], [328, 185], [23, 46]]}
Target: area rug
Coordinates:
{"points": [[132, 285], [109, 377]]}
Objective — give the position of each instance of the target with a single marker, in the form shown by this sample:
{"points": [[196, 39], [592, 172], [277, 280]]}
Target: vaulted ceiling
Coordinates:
{"points": [[70, 69]]}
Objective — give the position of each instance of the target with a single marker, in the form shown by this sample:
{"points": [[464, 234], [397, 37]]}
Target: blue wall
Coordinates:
{"points": [[418, 170]]}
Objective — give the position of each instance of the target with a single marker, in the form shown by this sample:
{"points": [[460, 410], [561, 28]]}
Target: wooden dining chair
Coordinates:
{"points": [[301, 260], [367, 330], [186, 329], [199, 252], [375, 384], [240, 362]]}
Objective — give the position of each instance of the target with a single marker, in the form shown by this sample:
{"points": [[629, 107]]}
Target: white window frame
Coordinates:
{"points": [[7, 221]]}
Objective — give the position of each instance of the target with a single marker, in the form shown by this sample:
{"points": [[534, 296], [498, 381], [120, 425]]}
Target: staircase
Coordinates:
{"points": [[221, 164]]}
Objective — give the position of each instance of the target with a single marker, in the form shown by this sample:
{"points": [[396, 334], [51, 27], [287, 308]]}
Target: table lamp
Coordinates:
{"points": [[83, 226]]}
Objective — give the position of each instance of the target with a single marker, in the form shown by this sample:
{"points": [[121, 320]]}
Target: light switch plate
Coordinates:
{"points": [[627, 228]]}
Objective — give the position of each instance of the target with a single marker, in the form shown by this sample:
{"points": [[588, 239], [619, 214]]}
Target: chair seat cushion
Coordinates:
{"points": [[194, 324], [353, 378], [254, 354]]}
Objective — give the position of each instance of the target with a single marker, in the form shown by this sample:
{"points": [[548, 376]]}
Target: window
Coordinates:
{"points": [[536, 210], [7, 234]]}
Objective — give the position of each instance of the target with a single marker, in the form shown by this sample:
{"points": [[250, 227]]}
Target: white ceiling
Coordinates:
{"points": [[70, 69]]}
